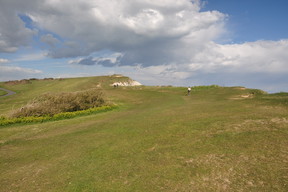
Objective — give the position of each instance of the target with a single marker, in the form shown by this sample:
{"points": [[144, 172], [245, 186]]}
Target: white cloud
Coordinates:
{"points": [[13, 32], [15, 73], [155, 29], [126, 26], [31, 57], [145, 22], [3, 60], [259, 56]]}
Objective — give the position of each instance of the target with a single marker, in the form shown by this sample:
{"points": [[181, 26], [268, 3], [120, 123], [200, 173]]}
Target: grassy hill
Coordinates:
{"points": [[159, 139], [2, 92]]}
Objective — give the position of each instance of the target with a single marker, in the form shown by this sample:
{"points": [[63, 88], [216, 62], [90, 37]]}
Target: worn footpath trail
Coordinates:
{"points": [[8, 92]]}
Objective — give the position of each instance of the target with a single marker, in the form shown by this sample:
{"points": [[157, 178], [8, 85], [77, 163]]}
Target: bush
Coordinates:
{"points": [[205, 87], [257, 92], [51, 104]]}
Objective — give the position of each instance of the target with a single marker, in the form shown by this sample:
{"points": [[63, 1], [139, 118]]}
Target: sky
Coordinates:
{"points": [[163, 42]]}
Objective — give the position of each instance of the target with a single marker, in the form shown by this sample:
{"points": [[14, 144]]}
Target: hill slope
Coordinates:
{"points": [[217, 139], [27, 90]]}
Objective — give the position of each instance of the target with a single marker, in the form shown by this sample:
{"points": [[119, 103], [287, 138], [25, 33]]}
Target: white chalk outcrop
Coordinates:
{"points": [[126, 83]]}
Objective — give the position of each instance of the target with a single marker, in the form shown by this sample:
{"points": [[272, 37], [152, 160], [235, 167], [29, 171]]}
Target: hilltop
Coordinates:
{"points": [[158, 139], [29, 89]]}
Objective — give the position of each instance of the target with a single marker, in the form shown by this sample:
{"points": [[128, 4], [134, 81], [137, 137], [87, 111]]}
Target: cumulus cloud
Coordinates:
{"points": [[13, 32], [259, 56], [126, 26]]}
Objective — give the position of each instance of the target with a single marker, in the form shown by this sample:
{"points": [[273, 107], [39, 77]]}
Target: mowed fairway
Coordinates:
{"points": [[159, 139]]}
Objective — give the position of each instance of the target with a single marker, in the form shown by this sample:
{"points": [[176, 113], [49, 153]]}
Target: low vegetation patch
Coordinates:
{"points": [[205, 87], [2, 92], [51, 104], [59, 106], [18, 82], [64, 115], [276, 98]]}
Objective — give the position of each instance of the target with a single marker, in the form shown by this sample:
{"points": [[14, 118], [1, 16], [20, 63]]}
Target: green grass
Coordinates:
{"points": [[2, 92], [157, 140], [4, 121]]}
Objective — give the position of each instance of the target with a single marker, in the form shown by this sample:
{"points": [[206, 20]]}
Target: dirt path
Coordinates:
{"points": [[8, 92]]}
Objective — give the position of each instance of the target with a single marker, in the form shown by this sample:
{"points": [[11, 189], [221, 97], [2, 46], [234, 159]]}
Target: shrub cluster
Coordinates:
{"points": [[205, 87], [256, 92], [51, 104], [18, 82]]}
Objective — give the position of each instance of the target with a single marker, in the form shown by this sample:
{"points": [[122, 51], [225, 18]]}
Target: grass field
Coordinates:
{"points": [[159, 139], [2, 92]]}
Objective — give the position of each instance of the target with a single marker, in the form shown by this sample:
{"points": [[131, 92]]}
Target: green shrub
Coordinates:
{"points": [[205, 87], [51, 104], [257, 92], [2, 118]]}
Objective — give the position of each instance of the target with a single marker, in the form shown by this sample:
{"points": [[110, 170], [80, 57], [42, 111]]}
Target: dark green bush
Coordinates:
{"points": [[51, 104], [257, 92]]}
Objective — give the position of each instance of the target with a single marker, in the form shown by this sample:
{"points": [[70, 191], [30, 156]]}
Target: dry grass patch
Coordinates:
{"points": [[51, 104], [236, 173]]}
